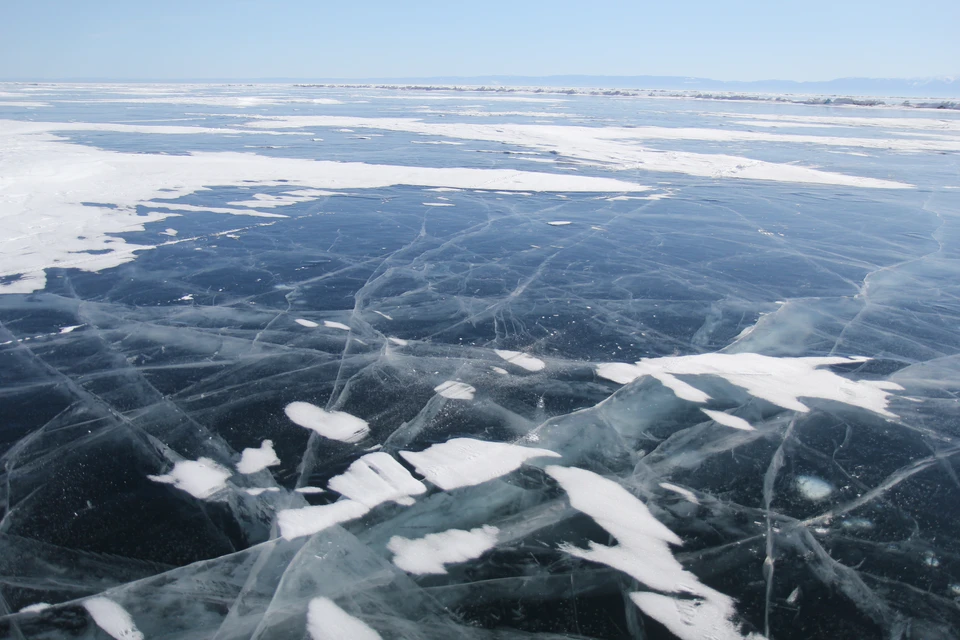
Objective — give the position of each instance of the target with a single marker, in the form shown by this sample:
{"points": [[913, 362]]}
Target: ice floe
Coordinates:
{"points": [[310, 324], [430, 553]]}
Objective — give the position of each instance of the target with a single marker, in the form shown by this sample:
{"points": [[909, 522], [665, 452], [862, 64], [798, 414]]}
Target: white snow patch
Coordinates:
{"points": [[327, 621], [310, 324], [112, 618], [643, 553], [36, 608], [780, 381], [200, 478], [376, 478], [619, 146], [46, 180], [330, 324], [521, 359], [253, 460], [335, 425], [437, 204], [501, 371], [464, 462], [559, 223], [728, 420], [430, 553], [398, 341], [380, 313], [186, 298], [455, 390], [71, 328], [814, 488], [307, 521]]}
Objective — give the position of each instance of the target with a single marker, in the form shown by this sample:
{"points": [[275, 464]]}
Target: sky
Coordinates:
{"points": [[313, 39]]}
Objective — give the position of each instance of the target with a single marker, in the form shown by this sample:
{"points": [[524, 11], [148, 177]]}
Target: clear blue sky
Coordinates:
{"points": [[725, 40]]}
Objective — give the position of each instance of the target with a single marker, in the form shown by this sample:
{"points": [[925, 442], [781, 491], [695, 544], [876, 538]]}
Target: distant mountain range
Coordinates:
{"points": [[943, 87]]}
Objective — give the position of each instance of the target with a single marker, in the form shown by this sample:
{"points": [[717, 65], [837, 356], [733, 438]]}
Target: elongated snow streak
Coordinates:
{"points": [[727, 420], [620, 147], [335, 425], [430, 553], [112, 618], [464, 462], [376, 478], [521, 359], [327, 621], [200, 478], [686, 493], [307, 521], [644, 553], [780, 381]]}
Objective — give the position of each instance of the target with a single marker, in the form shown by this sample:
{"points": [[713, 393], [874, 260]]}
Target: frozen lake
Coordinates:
{"points": [[306, 362]]}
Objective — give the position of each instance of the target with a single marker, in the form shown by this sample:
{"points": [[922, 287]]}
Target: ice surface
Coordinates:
{"points": [[710, 406], [430, 553]]}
